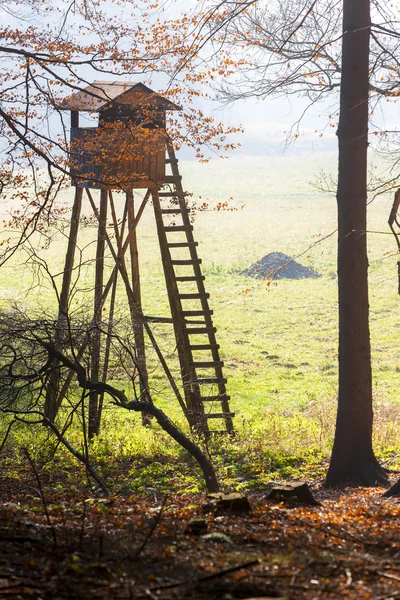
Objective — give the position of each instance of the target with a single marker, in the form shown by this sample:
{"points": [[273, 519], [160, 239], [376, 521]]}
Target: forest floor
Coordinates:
{"points": [[69, 545]]}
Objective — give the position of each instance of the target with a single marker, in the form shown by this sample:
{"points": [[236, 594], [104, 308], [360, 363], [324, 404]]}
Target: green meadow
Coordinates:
{"points": [[278, 339]]}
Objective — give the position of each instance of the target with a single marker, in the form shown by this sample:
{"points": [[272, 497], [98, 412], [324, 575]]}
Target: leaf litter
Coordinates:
{"points": [[349, 547]]}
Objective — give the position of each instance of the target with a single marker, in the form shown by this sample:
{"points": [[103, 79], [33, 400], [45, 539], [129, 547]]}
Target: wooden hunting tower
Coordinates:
{"points": [[130, 149]]}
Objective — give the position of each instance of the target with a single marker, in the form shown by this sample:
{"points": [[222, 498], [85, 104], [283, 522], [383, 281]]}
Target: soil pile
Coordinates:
{"points": [[277, 265]]}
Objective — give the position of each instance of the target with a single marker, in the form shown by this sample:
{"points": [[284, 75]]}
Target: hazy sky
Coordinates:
{"points": [[265, 122]]}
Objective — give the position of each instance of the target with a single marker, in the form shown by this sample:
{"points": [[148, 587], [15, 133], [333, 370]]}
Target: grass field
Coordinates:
{"points": [[278, 342]]}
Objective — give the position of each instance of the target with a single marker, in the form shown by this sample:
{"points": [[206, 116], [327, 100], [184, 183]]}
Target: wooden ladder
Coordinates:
{"points": [[200, 363]]}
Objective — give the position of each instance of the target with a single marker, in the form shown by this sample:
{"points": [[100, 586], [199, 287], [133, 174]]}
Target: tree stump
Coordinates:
{"points": [[233, 504], [293, 490]]}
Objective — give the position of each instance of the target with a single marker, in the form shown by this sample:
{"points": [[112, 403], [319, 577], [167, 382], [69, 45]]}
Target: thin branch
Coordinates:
{"points": [[152, 529], [42, 497]]}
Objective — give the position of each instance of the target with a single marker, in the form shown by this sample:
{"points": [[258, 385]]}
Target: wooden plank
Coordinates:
{"points": [[196, 313], [204, 346], [195, 322], [196, 261], [207, 364], [189, 278], [171, 161], [182, 244], [172, 178], [217, 398], [209, 380], [173, 228], [173, 211], [172, 194], [196, 296], [200, 330], [221, 415]]}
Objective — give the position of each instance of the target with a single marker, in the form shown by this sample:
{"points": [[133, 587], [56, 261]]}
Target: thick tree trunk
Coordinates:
{"points": [[353, 460]]}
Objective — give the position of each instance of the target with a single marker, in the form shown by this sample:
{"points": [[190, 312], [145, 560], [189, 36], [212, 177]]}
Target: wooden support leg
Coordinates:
{"points": [[134, 307], [137, 327], [132, 289], [107, 349], [96, 331], [53, 398]]}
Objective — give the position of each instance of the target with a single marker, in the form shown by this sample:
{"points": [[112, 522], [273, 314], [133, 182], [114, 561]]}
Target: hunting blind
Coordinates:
{"points": [[128, 150]]}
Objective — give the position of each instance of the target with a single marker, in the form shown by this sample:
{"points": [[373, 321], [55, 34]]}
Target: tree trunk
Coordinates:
{"points": [[353, 460]]}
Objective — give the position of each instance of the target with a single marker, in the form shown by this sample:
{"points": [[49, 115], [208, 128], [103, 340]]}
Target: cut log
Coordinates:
{"points": [[234, 503], [293, 490], [196, 527]]}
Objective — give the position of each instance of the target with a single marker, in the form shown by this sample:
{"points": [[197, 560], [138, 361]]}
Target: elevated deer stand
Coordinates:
{"points": [[130, 150]]}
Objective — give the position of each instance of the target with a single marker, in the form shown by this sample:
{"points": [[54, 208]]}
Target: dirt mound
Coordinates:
{"points": [[277, 265]]}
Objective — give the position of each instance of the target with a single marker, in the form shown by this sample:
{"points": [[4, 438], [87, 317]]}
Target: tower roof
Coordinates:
{"points": [[100, 94]]}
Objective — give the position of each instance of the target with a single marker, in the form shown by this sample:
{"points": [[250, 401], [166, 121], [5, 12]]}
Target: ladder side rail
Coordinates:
{"points": [[191, 389], [200, 284]]}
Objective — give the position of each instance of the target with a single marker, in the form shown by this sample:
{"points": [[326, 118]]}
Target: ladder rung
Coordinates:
{"points": [[195, 322], [171, 161], [220, 398], [192, 296], [174, 211], [204, 380], [200, 330], [190, 261], [204, 346], [190, 278], [178, 228], [221, 415], [172, 178], [182, 244], [218, 431], [174, 194], [207, 364], [196, 313]]}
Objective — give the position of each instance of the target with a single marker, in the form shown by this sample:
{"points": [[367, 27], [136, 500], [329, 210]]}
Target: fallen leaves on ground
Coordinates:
{"points": [[141, 547]]}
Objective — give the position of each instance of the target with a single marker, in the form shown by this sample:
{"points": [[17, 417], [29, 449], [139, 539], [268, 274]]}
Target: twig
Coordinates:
{"points": [[81, 457], [82, 529], [389, 597], [388, 575], [3, 443], [151, 530], [42, 496], [208, 577]]}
